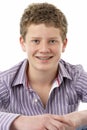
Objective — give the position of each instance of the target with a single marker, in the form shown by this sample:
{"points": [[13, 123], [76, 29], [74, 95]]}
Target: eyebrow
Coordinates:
{"points": [[47, 38]]}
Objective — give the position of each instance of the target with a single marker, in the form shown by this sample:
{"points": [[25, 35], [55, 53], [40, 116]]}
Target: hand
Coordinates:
{"points": [[42, 122], [77, 118]]}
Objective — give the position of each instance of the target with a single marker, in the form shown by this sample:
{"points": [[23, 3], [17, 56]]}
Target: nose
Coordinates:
{"points": [[44, 47]]}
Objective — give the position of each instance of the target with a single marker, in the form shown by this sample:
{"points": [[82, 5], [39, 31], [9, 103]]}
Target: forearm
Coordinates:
{"points": [[78, 118], [41, 122]]}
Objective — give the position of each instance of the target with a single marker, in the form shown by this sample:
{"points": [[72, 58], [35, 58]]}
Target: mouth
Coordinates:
{"points": [[44, 58]]}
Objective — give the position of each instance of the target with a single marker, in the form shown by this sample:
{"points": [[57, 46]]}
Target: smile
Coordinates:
{"points": [[44, 58]]}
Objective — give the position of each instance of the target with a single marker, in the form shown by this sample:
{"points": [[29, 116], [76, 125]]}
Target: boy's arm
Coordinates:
{"points": [[78, 118], [6, 119]]}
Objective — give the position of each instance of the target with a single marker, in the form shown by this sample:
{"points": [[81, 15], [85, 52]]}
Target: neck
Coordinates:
{"points": [[42, 78], [41, 82]]}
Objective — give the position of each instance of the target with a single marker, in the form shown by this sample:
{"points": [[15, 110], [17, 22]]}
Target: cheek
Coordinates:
{"points": [[30, 51], [57, 50]]}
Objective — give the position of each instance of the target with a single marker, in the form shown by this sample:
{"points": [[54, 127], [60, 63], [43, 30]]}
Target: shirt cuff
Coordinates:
{"points": [[6, 120]]}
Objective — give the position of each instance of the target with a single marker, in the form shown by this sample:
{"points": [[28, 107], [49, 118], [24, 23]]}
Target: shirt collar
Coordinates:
{"points": [[20, 77], [63, 73]]}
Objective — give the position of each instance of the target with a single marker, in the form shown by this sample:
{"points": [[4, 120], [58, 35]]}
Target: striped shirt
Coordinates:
{"points": [[16, 98]]}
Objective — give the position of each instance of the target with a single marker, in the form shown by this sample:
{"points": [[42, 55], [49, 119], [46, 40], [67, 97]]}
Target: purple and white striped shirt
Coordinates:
{"points": [[17, 98]]}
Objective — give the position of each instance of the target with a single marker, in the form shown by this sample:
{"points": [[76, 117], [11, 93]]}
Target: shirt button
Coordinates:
{"points": [[35, 100]]}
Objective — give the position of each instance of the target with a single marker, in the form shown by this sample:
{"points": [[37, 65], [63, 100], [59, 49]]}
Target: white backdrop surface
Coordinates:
{"points": [[10, 50]]}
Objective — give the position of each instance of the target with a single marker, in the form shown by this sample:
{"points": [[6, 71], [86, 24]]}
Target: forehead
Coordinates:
{"points": [[42, 29]]}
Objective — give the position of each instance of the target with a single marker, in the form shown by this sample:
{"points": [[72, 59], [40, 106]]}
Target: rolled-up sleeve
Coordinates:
{"points": [[6, 120], [81, 86]]}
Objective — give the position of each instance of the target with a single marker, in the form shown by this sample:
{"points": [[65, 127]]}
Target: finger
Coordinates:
{"points": [[58, 125], [51, 127], [50, 124], [54, 125], [64, 120]]}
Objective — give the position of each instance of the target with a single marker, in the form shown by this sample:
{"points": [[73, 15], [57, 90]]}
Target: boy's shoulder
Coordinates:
{"points": [[11, 71], [71, 69]]}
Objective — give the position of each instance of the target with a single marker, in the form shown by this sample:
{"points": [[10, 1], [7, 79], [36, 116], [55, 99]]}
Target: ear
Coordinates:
{"points": [[22, 43], [64, 45]]}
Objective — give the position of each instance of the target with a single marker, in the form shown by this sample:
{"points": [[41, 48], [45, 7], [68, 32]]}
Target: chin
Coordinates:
{"points": [[44, 68]]}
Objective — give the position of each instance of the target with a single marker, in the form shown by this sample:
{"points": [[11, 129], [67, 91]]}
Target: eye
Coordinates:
{"points": [[52, 41], [35, 41]]}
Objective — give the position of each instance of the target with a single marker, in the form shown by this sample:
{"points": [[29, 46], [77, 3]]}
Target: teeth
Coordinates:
{"points": [[43, 58]]}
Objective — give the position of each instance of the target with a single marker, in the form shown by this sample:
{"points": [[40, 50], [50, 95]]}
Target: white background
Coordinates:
{"points": [[10, 50]]}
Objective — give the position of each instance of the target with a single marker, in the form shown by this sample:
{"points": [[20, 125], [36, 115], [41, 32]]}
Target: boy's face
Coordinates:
{"points": [[43, 46]]}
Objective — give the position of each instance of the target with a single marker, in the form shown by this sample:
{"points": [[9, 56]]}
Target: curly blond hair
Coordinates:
{"points": [[43, 13]]}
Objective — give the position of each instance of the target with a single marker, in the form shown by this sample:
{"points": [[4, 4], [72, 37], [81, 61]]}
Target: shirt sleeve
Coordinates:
{"points": [[6, 119], [81, 85]]}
